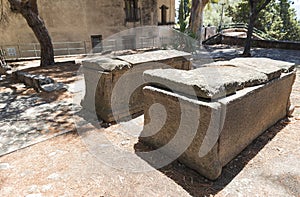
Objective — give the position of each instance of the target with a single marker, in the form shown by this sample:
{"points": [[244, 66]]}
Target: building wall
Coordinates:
{"points": [[77, 20]]}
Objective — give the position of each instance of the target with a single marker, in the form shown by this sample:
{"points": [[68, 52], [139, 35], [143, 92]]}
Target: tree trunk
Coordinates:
{"points": [[247, 48], [254, 11], [38, 27], [196, 19], [29, 11], [200, 29]]}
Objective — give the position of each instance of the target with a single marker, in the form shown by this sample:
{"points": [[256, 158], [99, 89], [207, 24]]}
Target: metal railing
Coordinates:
{"points": [[32, 50], [24, 50], [245, 26]]}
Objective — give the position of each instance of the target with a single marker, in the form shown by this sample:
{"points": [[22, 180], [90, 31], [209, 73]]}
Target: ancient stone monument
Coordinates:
{"points": [[111, 83], [207, 116]]}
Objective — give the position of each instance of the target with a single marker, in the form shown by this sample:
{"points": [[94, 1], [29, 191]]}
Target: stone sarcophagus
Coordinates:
{"points": [[207, 116], [114, 85]]}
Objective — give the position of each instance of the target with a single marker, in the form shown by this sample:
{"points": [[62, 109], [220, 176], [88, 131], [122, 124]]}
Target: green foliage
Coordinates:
{"points": [[278, 19], [212, 14], [183, 14]]}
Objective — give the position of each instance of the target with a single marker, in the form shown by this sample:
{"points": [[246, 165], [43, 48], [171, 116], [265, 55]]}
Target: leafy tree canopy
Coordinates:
{"points": [[278, 19], [213, 12]]}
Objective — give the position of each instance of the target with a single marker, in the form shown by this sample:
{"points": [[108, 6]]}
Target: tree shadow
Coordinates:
{"points": [[64, 72], [197, 185], [278, 54], [27, 117], [226, 52]]}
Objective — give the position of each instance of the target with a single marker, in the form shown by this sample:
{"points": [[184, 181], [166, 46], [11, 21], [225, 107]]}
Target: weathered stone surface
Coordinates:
{"points": [[37, 82], [215, 131], [105, 64], [246, 77], [207, 82], [181, 81], [272, 68], [52, 87], [257, 109], [185, 126], [154, 56]]}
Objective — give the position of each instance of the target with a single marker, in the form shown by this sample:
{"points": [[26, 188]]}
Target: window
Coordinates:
{"points": [[11, 51], [164, 9], [132, 10], [96, 43]]}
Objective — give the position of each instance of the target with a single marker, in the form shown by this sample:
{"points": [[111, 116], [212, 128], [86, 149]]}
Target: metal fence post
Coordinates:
{"points": [[19, 51], [84, 45], [34, 49], [68, 48]]}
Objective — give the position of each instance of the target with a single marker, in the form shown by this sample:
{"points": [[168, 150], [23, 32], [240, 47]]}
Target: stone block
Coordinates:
{"points": [[105, 64], [207, 133], [114, 85], [37, 82], [209, 82], [154, 56], [272, 68]]}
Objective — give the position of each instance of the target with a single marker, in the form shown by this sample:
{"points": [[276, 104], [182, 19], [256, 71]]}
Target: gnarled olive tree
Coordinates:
{"points": [[29, 10]]}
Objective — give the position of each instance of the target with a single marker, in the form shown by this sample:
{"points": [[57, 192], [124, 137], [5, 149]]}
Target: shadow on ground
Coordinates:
{"points": [[197, 185], [64, 72], [278, 54], [28, 117]]}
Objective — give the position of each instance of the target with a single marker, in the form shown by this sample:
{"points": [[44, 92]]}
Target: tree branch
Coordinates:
{"points": [[18, 5], [15, 5], [266, 2], [33, 5], [2, 11]]}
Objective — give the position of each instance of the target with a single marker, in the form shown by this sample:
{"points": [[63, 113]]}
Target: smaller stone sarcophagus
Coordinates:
{"points": [[114, 85]]}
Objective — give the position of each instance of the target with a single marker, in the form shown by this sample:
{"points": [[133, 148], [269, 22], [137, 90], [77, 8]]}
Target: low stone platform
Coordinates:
{"points": [[207, 116], [37, 82], [114, 85]]}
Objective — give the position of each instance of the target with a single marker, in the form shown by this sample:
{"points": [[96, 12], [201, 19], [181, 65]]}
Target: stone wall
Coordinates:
{"points": [[230, 40], [77, 20]]}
